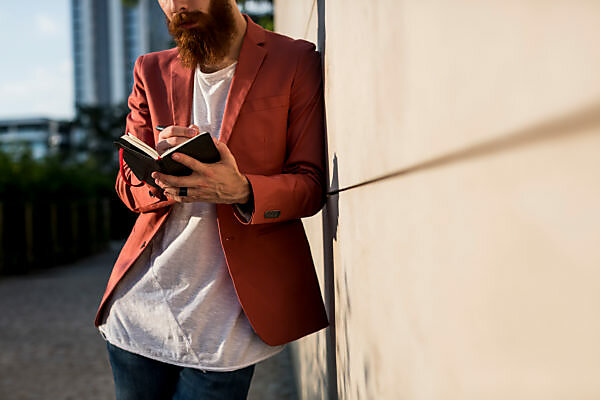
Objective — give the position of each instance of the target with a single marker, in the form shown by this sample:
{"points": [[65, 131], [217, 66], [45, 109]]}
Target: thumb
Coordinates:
{"points": [[225, 153]]}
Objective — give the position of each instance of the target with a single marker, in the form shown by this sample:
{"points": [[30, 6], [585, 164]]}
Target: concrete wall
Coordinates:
{"points": [[461, 259]]}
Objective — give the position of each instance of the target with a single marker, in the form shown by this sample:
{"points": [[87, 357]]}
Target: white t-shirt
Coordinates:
{"points": [[177, 303]]}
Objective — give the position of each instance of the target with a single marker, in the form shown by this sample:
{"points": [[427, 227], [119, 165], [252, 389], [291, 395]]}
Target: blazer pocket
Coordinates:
{"points": [[265, 103]]}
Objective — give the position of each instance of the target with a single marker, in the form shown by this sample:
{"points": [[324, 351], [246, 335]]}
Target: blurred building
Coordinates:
{"points": [[108, 36], [40, 136]]}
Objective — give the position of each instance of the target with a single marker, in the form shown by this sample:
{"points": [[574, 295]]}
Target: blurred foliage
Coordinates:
{"points": [[130, 3], [266, 21], [53, 212], [56, 211], [103, 124], [23, 178]]}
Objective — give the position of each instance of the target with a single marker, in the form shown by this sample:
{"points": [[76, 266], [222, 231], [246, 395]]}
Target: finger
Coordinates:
{"points": [[190, 162], [162, 184], [177, 131], [193, 194], [175, 140], [171, 141], [173, 192], [175, 182], [165, 144], [170, 196]]}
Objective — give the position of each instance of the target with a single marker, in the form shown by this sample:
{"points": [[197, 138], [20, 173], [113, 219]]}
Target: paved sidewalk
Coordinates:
{"points": [[49, 348]]}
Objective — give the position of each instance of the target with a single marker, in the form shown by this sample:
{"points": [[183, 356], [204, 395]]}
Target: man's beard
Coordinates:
{"points": [[208, 42]]}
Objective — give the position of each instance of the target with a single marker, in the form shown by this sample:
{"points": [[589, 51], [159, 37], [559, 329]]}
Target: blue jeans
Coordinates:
{"points": [[141, 378]]}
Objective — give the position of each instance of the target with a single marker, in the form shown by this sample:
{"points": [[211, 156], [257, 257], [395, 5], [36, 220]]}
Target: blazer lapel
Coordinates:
{"points": [[182, 92], [251, 57]]}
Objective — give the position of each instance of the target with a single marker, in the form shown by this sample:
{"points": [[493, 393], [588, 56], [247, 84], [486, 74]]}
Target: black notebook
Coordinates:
{"points": [[142, 159]]}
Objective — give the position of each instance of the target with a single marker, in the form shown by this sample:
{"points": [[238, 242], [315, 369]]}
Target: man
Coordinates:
{"points": [[217, 274]]}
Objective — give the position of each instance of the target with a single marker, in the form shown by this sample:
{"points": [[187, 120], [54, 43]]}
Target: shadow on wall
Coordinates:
{"points": [[338, 288]]}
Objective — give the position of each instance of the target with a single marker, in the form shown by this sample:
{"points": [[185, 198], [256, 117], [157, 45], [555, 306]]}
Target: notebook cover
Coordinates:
{"points": [[200, 147]]}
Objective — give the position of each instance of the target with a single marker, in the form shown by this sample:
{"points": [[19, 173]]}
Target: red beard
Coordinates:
{"points": [[208, 41]]}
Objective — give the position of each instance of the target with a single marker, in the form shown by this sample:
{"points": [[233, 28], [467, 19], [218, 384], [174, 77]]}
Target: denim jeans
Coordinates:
{"points": [[140, 378]]}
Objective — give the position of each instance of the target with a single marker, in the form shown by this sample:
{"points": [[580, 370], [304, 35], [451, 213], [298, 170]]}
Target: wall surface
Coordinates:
{"points": [[297, 19], [316, 375], [461, 258]]}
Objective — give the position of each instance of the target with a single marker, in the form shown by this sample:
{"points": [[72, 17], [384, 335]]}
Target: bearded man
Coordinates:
{"points": [[217, 273]]}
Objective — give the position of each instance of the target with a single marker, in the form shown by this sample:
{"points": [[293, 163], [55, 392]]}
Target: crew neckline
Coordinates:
{"points": [[217, 75]]}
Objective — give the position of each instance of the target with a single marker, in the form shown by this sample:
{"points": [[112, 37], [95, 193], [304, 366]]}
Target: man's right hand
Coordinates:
{"points": [[173, 135]]}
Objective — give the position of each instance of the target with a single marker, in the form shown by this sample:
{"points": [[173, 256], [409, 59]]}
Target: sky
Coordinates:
{"points": [[36, 78]]}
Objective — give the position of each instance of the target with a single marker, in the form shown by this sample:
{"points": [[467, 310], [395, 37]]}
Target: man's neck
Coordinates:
{"points": [[234, 50]]}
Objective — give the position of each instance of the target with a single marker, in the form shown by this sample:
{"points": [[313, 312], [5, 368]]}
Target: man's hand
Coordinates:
{"points": [[220, 182], [174, 135]]}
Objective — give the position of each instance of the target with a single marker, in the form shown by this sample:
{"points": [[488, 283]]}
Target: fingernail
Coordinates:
{"points": [[176, 156]]}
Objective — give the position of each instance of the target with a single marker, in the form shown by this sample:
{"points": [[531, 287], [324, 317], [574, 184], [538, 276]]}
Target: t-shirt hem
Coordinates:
{"points": [[187, 365]]}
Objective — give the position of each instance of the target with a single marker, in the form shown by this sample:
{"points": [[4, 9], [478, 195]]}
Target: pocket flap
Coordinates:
{"points": [[265, 103]]}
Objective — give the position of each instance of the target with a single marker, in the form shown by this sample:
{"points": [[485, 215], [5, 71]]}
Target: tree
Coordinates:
{"points": [[103, 124], [130, 3]]}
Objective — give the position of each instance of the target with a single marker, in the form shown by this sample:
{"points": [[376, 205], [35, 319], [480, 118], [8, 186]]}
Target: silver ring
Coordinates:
{"points": [[182, 191]]}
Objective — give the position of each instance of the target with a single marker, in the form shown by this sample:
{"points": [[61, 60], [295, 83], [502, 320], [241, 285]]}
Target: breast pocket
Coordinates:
{"points": [[265, 103], [260, 134]]}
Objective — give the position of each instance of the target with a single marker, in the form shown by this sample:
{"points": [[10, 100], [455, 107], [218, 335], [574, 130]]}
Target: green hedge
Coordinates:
{"points": [[53, 212], [51, 179]]}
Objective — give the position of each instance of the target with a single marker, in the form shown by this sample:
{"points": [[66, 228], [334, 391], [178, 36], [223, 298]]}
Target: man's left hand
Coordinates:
{"points": [[220, 182]]}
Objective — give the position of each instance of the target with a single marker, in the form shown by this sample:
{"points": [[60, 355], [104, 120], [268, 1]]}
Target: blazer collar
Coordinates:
{"points": [[251, 57]]}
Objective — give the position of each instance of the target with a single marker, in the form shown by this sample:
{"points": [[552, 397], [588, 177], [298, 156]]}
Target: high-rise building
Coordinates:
{"points": [[108, 36], [40, 136]]}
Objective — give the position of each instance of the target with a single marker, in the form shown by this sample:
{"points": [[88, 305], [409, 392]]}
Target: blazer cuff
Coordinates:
{"points": [[243, 212], [267, 198]]}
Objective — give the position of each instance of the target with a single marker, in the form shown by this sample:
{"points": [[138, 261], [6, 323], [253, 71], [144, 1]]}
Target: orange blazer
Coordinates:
{"points": [[273, 124]]}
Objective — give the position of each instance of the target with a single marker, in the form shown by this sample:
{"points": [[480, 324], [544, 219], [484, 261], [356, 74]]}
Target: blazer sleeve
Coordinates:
{"points": [[299, 190], [144, 198]]}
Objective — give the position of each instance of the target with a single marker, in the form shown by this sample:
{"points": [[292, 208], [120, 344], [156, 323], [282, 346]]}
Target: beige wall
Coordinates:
{"points": [[297, 19], [473, 272]]}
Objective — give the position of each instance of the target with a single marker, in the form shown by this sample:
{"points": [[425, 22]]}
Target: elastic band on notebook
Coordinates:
{"points": [[127, 181]]}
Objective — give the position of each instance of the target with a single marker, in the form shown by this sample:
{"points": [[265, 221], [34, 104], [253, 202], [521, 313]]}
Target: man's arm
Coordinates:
{"points": [[299, 190], [142, 198]]}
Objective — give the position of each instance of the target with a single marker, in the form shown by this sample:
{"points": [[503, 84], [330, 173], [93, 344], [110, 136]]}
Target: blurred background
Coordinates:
{"points": [[65, 75]]}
